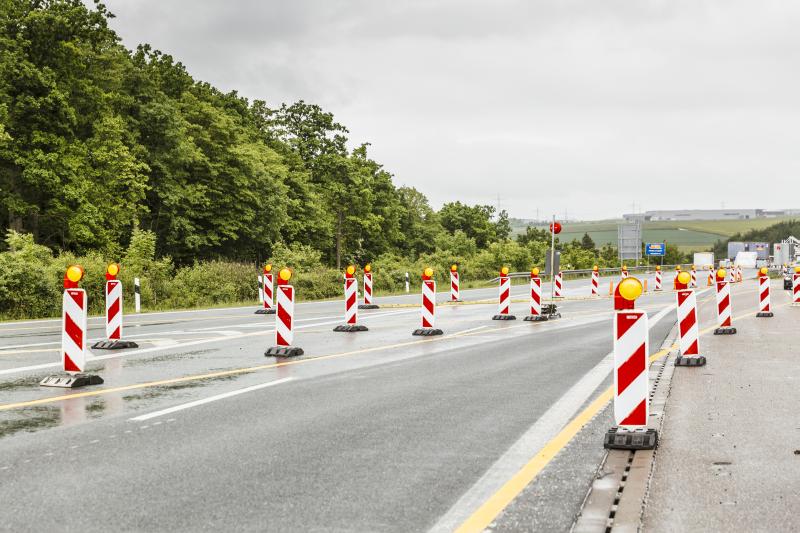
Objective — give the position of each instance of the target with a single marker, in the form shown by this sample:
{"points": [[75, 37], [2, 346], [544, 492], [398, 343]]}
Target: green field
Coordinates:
{"points": [[693, 235]]}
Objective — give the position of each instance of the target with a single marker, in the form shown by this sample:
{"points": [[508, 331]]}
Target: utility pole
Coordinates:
{"points": [[553, 260]]}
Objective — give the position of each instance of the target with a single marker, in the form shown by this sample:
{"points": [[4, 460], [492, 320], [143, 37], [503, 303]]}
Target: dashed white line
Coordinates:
{"points": [[181, 407]]}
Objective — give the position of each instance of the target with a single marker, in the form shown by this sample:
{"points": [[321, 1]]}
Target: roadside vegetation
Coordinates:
{"points": [[109, 154]]}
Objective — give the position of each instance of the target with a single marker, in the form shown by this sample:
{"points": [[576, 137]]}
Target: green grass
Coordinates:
{"points": [[693, 235]]}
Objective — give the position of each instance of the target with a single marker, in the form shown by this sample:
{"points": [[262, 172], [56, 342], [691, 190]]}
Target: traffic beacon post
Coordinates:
{"points": [[764, 307], [658, 279], [504, 301], [724, 305], [73, 335], [351, 306], [796, 287], [536, 298], [455, 284], [368, 289], [114, 313], [595, 281], [688, 330], [284, 319], [428, 306], [267, 285], [631, 398]]}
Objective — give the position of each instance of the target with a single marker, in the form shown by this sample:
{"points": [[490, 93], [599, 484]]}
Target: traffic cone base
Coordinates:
{"points": [[71, 381], [283, 351], [114, 345], [351, 328], [691, 360], [618, 438], [427, 332]]}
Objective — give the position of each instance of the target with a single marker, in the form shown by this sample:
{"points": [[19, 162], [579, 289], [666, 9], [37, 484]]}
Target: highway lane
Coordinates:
{"points": [[382, 440], [479, 368]]}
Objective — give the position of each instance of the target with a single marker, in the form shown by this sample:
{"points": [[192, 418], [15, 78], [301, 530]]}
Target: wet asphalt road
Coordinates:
{"points": [[373, 431]]}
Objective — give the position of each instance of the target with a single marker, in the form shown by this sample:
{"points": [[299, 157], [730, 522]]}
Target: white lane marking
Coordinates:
{"points": [[43, 366], [181, 407], [535, 438]]}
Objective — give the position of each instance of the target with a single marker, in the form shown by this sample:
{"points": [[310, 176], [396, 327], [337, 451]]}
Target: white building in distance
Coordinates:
{"points": [[710, 214]]}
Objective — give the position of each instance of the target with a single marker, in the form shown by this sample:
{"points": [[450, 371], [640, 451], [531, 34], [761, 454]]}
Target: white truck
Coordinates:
{"points": [[703, 259], [746, 259]]}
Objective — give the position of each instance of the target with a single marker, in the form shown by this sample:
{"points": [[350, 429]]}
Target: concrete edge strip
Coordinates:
{"points": [[615, 498]]}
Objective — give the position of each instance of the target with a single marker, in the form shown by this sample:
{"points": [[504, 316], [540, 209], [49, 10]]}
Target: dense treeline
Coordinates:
{"points": [[115, 154]]}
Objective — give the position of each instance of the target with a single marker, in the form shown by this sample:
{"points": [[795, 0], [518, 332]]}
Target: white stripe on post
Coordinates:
{"points": [[113, 309], [688, 330], [284, 317], [73, 330], [428, 303], [267, 291], [723, 304], [505, 295], [631, 345], [351, 301], [559, 284], [455, 289], [536, 296]]}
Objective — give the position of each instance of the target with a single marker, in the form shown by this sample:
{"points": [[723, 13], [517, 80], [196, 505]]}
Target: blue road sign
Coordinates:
{"points": [[655, 248]]}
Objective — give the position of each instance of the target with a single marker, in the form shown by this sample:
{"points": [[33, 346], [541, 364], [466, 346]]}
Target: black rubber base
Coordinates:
{"points": [[553, 316], [504, 317], [765, 314], [630, 439], [692, 360], [263, 311], [71, 381], [725, 331], [114, 345], [369, 306], [427, 332], [535, 318], [351, 328], [283, 351]]}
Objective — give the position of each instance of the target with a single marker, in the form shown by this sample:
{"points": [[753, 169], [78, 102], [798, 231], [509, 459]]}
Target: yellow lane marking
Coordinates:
{"points": [[491, 508]]}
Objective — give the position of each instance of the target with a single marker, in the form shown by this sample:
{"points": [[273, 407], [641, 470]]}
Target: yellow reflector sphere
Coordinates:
{"points": [[595, 268], [504, 270], [428, 272], [684, 277], [268, 267], [368, 268], [721, 273], [535, 271], [351, 269], [285, 274], [453, 267], [74, 273], [797, 269], [113, 269], [630, 288], [763, 271]]}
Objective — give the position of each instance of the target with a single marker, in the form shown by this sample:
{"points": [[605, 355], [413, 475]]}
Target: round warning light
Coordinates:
{"points": [[630, 288]]}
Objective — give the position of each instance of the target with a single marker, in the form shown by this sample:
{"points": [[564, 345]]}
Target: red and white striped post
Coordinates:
{"points": [[724, 305], [694, 277], [675, 280], [455, 284], [368, 289], [536, 298], [428, 306], [267, 283], [559, 285], [284, 319], [796, 287], [624, 272], [350, 303], [74, 330], [710, 275], [631, 343], [764, 307], [504, 300], [114, 313], [688, 329], [658, 279], [595, 281]]}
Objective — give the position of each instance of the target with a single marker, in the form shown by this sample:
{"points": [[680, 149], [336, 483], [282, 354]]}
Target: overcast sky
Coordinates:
{"points": [[585, 106]]}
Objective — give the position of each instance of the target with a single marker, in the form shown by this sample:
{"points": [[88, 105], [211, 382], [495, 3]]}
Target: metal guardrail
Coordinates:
{"points": [[612, 270]]}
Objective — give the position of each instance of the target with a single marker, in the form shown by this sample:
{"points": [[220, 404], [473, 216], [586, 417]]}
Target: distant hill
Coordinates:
{"points": [[693, 235]]}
